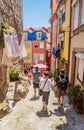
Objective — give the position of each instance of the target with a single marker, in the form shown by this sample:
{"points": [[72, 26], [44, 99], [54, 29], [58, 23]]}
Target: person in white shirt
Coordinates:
{"points": [[45, 84]]}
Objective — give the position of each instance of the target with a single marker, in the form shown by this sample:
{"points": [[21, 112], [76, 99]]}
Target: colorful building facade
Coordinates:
{"points": [[76, 69], [53, 21], [37, 45], [63, 16]]}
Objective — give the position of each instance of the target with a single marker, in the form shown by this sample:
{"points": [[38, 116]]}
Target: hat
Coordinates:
{"points": [[62, 70], [46, 73]]}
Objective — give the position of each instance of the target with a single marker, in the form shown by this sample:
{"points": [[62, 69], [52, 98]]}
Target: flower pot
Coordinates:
{"points": [[79, 110]]}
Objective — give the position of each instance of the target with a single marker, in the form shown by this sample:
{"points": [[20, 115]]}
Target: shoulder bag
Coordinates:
{"points": [[41, 90]]}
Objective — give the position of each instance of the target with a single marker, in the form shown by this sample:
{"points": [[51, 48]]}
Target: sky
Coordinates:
{"points": [[36, 13]]}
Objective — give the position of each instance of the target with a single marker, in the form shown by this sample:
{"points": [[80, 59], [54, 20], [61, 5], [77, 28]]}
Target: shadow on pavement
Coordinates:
{"points": [[54, 103], [58, 112], [34, 98], [14, 103], [43, 114]]}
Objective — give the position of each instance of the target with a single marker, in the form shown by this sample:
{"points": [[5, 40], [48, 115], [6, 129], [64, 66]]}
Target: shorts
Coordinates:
{"points": [[35, 85], [45, 97], [60, 93]]}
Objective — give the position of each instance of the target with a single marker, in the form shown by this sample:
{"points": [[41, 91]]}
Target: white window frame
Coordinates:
{"points": [[35, 58], [82, 16], [41, 57], [76, 15], [41, 44], [35, 43], [38, 35], [27, 44]]}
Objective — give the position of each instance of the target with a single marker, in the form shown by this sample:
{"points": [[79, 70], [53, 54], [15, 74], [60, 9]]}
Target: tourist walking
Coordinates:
{"points": [[62, 83], [45, 84], [36, 78], [29, 75]]}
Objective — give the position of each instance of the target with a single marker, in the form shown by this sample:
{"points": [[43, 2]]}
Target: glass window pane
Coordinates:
{"points": [[76, 15], [41, 44], [82, 17], [41, 56]]}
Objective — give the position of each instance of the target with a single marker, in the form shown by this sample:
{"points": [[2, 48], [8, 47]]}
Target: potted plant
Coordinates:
{"points": [[79, 103], [76, 98]]}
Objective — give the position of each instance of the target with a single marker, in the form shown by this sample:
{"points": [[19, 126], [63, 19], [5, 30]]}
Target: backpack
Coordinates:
{"points": [[62, 83]]}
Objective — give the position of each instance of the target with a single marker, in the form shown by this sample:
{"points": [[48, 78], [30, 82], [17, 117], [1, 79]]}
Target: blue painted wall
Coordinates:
{"points": [[32, 36]]}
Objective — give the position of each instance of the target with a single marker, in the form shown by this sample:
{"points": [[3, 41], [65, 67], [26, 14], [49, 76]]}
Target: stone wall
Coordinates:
{"points": [[11, 12]]}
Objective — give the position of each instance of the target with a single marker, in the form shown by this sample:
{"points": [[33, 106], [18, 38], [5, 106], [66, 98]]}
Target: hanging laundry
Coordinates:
{"points": [[56, 52], [22, 47], [15, 45], [8, 47], [5, 59]]}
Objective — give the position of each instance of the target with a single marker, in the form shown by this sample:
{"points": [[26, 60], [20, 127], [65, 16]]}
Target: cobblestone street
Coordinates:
{"points": [[26, 115]]}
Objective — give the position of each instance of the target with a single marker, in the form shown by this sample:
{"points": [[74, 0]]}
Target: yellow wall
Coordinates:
{"points": [[29, 50], [65, 28]]}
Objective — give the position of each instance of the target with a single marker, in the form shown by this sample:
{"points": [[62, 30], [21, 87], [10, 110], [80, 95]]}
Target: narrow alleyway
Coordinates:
{"points": [[26, 115]]}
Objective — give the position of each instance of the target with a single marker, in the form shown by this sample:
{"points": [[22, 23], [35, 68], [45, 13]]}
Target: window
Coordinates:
{"points": [[76, 15], [63, 16], [41, 56], [82, 17], [38, 35], [80, 70], [35, 58], [61, 40], [62, 44], [59, 21], [41, 44], [35, 45], [27, 45]]}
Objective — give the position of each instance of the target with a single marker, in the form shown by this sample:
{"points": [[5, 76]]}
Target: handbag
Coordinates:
{"points": [[41, 90]]}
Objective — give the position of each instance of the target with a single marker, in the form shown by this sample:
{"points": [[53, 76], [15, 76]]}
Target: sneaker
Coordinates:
{"points": [[61, 104], [58, 108], [46, 111]]}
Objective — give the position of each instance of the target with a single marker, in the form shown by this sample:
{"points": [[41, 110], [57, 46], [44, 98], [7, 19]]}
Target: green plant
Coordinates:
{"points": [[79, 100], [56, 73], [75, 95], [63, 61], [14, 75]]}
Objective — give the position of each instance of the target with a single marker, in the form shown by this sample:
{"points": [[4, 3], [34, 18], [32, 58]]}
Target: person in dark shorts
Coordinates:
{"points": [[45, 84], [62, 83], [36, 76]]}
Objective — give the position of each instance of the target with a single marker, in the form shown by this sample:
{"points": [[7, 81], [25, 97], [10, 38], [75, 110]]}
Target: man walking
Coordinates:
{"points": [[62, 83], [36, 76]]}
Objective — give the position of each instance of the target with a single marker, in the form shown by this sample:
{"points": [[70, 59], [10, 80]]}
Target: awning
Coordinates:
{"points": [[80, 55]]}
